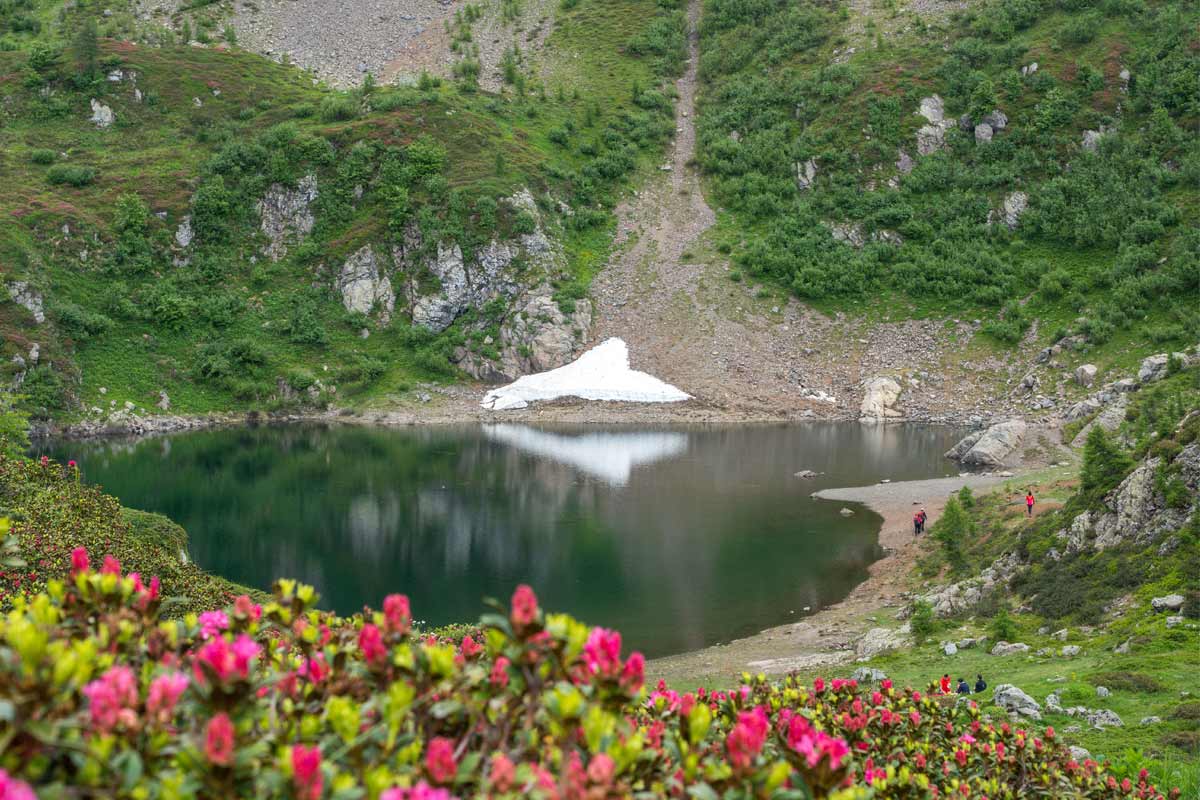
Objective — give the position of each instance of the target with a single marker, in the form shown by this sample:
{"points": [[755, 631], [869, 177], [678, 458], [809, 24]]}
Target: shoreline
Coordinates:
{"points": [[826, 637]]}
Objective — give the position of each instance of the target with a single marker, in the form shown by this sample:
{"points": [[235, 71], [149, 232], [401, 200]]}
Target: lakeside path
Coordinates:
{"points": [[826, 637]]}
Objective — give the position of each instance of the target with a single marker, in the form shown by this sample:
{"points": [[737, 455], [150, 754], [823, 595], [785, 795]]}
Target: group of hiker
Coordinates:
{"points": [[963, 687], [920, 518]]}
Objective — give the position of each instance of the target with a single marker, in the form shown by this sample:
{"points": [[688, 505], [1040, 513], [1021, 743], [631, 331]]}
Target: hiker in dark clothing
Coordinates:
{"points": [[980, 684], [1029, 502], [923, 517], [963, 688], [917, 524]]}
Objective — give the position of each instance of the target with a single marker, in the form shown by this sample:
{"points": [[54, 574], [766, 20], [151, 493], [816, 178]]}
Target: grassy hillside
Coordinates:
{"points": [[1108, 246], [90, 213]]}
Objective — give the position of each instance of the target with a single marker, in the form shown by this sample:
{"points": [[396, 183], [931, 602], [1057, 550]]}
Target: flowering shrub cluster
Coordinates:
{"points": [[100, 696], [53, 512]]}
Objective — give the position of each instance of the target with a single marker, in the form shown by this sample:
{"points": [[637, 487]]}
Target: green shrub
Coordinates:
{"points": [[337, 108], [1127, 681], [43, 156], [922, 620], [76, 175]]}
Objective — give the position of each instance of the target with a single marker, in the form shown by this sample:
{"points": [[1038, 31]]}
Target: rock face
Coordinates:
{"points": [[806, 173], [964, 595], [879, 398], [184, 234], [27, 297], [992, 447], [904, 162], [850, 233], [1014, 206], [1138, 512], [287, 215], [364, 286], [932, 137], [102, 115], [537, 336], [1010, 698]]}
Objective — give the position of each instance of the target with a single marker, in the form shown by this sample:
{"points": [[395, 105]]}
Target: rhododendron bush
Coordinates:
{"points": [[101, 697]]}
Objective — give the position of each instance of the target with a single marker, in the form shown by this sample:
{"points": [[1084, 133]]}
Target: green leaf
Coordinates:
{"points": [[702, 791]]}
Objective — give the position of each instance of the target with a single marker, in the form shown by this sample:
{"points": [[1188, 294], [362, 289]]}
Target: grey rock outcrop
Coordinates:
{"points": [[932, 137], [879, 399], [1070, 651], [538, 335], [102, 115], [1091, 139], [1085, 374], [1009, 648], [904, 162], [1015, 204], [850, 233], [962, 596], [1013, 699], [184, 233], [868, 675], [364, 286], [806, 174], [287, 216], [963, 446], [879, 640], [983, 133], [997, 119], [28, 298], [1170, 602], [994, 446]]}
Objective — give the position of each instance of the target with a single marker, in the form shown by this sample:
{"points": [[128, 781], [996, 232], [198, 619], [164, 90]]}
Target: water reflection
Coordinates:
{"points": [[608, 455], [677, 537]]}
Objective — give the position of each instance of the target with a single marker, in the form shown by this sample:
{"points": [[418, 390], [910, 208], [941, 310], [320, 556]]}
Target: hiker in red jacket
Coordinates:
{"points": [[1029, 502], [945, 684]]}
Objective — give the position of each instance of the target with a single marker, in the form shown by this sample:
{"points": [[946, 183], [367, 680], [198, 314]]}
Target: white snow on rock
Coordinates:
{"points": [[601, 373], [608, 455]]}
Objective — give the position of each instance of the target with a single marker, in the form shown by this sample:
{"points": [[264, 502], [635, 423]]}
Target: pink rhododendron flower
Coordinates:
{"points": [[225, 661], [633, 675], [315, 669], [243, 606], [602, 653], [422, 791], [79, 560], [396, 614], [112, 698], [470, 648], [212, 623], [746, 739], [499, 675], [819, 685], [502, 773], [306, 772], [439, 760], [524, 606], [370, 642], [13, 789], [111, 566], [601, 770], [165, 691], [245, 650], [218, 740]]}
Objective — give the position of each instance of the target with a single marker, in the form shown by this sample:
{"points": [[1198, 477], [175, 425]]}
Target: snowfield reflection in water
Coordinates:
{"points": [[609, 456], [679, 537]]}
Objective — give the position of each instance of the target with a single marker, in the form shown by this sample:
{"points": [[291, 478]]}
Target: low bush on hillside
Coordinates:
{"points": [[106, 698]]}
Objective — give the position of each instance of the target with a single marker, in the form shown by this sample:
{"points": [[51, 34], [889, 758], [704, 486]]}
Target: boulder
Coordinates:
{"points": [[996, 444], [1010, 698], [1170, 602], [102, 115], [1154, 367], [868, 675], [806, 174], [805, 473], [850, 233], [1009, 648], [1079, 754], [1053, 704], [1060, 635], [904, 162], [983, 133], [879, 398], [1102, 691], [164, 401], [365, 287], [997, 119], [879, 640], [1091, 139], [964, 444], [286, 214], [1151, 720], [28, 298], [950, 649], [1110, 418], [1029, 69], [1104, 718], [1085, 374], [930, 139], [933, 109], [1175, 621]]}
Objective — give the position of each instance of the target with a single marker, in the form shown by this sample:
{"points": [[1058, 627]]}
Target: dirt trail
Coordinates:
{"points": [[826, 637]]}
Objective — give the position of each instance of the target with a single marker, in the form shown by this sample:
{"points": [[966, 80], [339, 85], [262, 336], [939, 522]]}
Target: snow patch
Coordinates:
{"points": [[601, 373], [609, 456]]}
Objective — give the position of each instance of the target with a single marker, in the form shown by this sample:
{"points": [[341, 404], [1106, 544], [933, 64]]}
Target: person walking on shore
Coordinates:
{"points": [[923, 517], [1029, 502], [917, 524]]}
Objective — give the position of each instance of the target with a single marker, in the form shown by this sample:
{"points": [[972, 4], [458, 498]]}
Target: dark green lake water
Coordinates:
{"points": [[679, 538]]}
